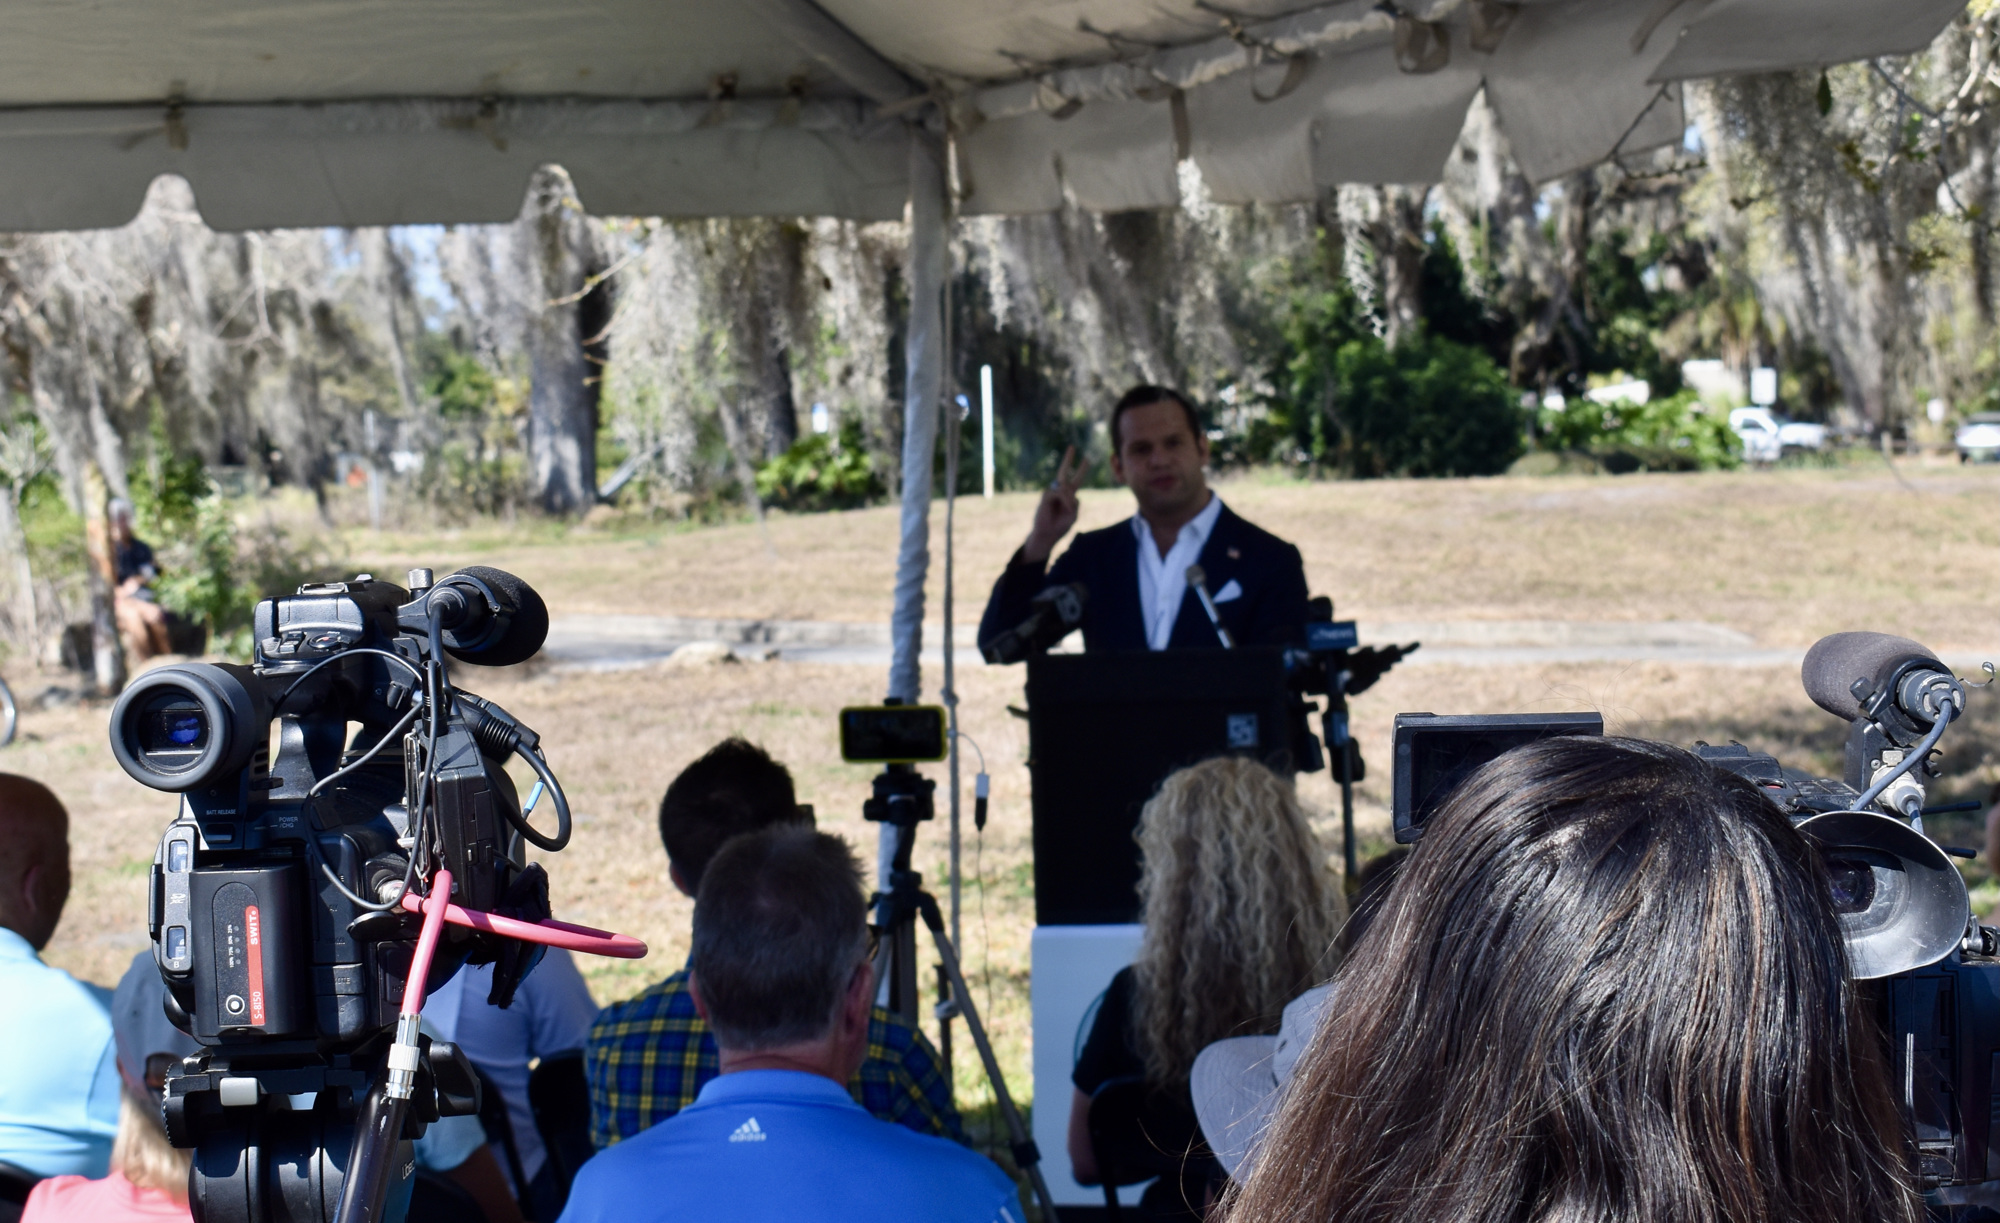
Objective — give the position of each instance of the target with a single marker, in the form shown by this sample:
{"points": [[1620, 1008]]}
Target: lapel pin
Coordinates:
{"points": [[1235, 555]]}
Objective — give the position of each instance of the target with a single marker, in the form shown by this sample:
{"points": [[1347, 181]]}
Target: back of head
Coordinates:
{"points": [[780, 928], [1608, 985], [34, 832], [1240, 910], [735, 788], [147, 1043]]}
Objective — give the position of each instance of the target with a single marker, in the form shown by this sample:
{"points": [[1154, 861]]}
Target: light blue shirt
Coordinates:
{"points": [[784, 1146], [59, 1083], [552, 1013]]}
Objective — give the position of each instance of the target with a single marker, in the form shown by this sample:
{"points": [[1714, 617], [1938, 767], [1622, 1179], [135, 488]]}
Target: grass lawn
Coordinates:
{"points": [[1786, 555]]}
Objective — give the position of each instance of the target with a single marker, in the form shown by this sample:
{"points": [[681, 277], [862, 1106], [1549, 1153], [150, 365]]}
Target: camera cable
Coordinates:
{"points": [[1910, 759], [308, 673], [548, 782]]}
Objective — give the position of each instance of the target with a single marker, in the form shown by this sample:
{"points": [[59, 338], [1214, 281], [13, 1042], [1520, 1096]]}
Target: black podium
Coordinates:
{"points": [[1105, 729]]}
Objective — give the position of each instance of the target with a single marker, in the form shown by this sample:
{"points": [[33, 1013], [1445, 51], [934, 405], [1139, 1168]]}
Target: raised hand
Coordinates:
{"points": [[1057, 512]]}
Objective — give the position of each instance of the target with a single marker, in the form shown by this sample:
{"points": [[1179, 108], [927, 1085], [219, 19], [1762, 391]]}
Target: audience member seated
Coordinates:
{"points": [[454, 1149], [1241, 911], [142, 622], [782, 976], [58, 1066], [149, 1178], [649, 1057], [1609, 983], [551, 1013]]}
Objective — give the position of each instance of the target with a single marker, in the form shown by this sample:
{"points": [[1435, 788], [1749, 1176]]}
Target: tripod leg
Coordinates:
{"points": [[1026, 1155]]}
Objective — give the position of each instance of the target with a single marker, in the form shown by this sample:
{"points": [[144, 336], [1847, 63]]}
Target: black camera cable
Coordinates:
{"points": [[308, 673], [502, 733], [1910, 759]]}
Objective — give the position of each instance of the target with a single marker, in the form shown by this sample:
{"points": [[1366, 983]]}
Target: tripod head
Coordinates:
{"points": [[902, 797]]}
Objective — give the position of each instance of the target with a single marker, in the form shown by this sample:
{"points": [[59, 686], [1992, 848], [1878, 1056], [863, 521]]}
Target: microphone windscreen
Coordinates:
{"points": [[528, 619], [1835, 662]]}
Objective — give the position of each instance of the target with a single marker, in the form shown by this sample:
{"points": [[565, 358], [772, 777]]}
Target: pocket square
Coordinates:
{"points": [[1230, 590]]}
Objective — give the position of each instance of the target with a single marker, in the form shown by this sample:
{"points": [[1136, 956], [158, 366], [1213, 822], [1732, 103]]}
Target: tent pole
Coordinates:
{"points": [[923, 389]]}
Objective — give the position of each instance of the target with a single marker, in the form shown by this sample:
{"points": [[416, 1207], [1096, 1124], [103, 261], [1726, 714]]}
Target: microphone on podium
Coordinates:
{"points": [[1197, 577]]}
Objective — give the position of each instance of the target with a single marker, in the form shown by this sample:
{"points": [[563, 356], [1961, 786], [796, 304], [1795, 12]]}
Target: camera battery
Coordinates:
{"points": [[248, 961]]}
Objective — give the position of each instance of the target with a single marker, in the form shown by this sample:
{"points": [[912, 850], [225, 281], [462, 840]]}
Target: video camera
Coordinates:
{"points": [[285, 897], [1925, 965]]}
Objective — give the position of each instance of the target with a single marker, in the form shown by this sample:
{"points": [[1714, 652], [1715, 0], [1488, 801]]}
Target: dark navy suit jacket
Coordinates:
{"points": [[1271, 610]]}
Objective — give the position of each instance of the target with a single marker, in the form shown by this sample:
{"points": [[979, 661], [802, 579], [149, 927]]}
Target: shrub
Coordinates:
{"points": [[1675, 433], [213, 569], [1427, 407], [1430, 406], [821, 472]]}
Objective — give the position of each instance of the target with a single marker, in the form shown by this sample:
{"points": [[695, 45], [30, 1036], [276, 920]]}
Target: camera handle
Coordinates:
{"points": [[902, 800]]}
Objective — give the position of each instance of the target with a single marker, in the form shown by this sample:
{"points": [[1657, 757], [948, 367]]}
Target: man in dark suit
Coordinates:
{"points": [[1136, 572]]}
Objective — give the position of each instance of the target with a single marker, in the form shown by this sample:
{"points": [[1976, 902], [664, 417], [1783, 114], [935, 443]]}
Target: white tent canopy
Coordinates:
{"points": [[385, 112]]}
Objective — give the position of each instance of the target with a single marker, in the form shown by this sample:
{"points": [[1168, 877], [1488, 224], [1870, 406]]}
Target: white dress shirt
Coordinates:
{"points": [[1163, 579]]}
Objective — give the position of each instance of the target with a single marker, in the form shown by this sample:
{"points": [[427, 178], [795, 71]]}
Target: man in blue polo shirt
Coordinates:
{"points": [[781, 974]]}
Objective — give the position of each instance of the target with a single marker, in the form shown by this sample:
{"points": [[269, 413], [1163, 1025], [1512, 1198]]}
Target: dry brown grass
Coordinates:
{"points": [[1784, 555]]}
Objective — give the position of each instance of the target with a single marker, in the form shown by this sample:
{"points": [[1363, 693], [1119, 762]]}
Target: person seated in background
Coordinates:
{"points": [[551, 1013], [149, 1177], [59, 1092], [1609, 983], [1241, 911], [142, 622], [782, 975], [649, 1057]]}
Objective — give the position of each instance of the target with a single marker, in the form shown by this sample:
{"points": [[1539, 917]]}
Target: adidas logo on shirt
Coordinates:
{"points": [[749, 1131]]}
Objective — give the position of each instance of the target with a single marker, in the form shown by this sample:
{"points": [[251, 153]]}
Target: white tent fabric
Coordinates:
{"points": [[379, 111]]}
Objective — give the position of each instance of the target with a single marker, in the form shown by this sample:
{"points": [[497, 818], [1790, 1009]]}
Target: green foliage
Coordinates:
{"points": [[1430, 406], [460, 384], [1427, 407], [478, 466], [821, 472], [1671, 433], [213, 567]]}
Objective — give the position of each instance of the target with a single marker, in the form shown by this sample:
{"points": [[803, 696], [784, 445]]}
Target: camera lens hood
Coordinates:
{"points": [[1902, 903], [222, 708]]}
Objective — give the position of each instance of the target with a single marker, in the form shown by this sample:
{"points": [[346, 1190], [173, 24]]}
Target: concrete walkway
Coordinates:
{"points": [[621, 642]]}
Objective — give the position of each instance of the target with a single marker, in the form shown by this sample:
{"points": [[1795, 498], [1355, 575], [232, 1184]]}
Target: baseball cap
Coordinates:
{"points": [[140, 1026], [1237, 1083]]}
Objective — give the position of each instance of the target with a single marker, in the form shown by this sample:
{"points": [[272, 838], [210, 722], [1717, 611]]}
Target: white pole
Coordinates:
{"points": [[986, 425]]}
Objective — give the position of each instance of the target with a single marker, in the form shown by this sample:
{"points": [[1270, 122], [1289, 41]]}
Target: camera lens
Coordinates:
{"points": [[178, 730], [1853, 884]]}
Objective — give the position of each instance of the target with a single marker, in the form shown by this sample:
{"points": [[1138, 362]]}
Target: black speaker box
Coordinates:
{"points": [[1105, 729]]}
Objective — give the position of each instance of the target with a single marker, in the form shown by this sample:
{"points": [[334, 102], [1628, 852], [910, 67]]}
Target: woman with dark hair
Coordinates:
{"points": [[1608, 986]]}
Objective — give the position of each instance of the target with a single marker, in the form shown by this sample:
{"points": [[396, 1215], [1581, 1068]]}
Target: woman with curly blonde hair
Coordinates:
{"points": [[1241, 910]]}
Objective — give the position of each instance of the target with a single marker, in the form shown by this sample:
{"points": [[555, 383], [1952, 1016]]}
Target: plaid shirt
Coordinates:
{"points": [[649, 1056]]}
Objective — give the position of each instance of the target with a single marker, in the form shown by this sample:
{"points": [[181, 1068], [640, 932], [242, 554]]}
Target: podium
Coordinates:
{"points": [[1105, 729]]}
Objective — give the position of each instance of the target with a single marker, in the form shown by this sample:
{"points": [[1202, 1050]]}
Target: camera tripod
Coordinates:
{"points": [[901, 801]]}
